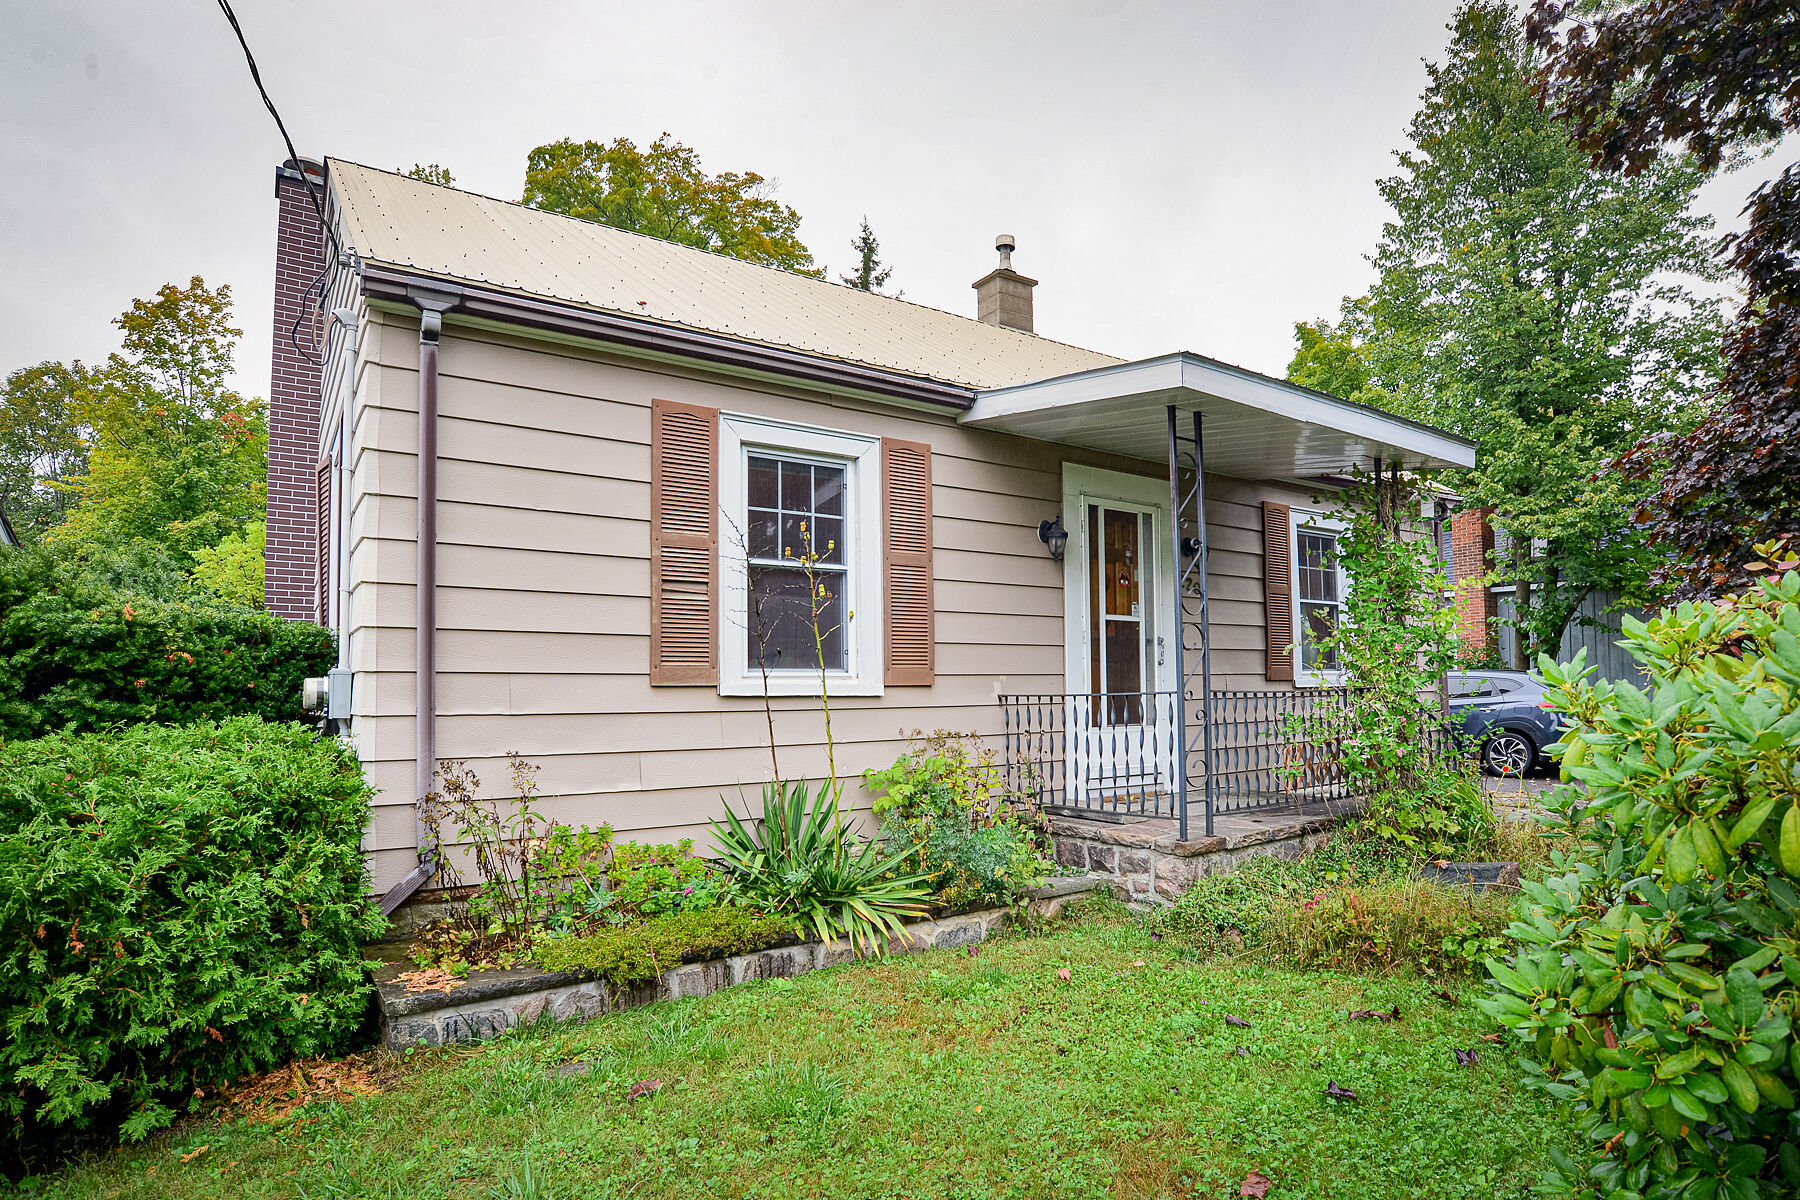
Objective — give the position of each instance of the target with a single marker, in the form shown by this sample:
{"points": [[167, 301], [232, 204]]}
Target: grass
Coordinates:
{"points": [[936, 1075]]}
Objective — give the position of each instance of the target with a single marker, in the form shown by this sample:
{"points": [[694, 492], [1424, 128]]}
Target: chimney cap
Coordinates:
{"points": [[1006, 242]]}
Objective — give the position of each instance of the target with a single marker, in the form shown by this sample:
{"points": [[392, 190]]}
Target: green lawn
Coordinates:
{"points": [[936, 1075]]}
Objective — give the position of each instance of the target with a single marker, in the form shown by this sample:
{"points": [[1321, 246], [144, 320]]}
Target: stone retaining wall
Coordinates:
{"points": [[488, 1003], [1142, 864]]}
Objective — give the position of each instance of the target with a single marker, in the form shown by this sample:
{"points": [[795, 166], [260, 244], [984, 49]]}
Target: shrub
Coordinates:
{"points": [[651, 880], [179, 906], [1657, 984], [640, 952], [969, 841], [78, 654], [800, 861]]}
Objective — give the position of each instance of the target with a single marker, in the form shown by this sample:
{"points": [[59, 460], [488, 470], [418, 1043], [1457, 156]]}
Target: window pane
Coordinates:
{"points": [[1316, 624], [765, 489], [828, 490], [1317, 553], [796, 487], [828, 539], [1122, 594], [779, 621], [760, 534]]}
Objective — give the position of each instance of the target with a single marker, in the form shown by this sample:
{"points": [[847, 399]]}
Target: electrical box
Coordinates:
{"points": [[337, 698], [312, 694]]}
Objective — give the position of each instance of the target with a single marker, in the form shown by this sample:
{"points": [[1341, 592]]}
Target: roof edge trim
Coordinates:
{"points": [[391, 284]]}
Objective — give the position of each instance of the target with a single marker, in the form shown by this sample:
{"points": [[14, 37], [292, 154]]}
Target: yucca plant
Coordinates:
{"points": [[800, 861]]}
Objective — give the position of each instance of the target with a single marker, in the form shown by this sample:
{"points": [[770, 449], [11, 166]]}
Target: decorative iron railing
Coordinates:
{"points": [[1119, 754], [1109, 755]]}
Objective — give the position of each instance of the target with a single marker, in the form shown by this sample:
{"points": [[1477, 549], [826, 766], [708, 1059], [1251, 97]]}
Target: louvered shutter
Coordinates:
{"points": [[1278, 591], [684, 543], [906, 562], [322, 504]]}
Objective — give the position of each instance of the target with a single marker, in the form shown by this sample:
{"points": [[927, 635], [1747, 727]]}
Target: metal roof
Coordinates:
{"points": [[450, 234], [1255, 427]]}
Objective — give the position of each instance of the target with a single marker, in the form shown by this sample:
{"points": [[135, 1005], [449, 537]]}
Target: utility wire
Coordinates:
{"points": [[312, 190]]}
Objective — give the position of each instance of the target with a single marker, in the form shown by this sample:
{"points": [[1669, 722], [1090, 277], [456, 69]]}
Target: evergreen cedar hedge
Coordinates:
{"points": [[76, 654], [179, 905]]}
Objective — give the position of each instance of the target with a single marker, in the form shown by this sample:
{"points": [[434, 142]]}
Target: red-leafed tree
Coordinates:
{"points": [[1720, 78]]}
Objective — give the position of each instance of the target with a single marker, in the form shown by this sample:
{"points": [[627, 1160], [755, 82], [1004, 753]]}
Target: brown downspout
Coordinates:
{"points": [[432, 306]]}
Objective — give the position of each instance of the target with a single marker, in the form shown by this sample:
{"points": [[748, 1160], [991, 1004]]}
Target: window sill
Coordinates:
{"points": [[801, 685]]}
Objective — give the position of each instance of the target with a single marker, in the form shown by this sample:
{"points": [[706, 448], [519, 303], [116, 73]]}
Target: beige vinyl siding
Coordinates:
{"points": [[543, 588]]}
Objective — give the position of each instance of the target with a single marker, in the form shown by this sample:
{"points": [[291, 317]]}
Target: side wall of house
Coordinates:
{"points": [[543, 587]]}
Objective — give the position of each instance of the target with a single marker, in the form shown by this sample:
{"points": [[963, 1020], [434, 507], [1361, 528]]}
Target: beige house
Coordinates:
{"points": [[598, 452]]}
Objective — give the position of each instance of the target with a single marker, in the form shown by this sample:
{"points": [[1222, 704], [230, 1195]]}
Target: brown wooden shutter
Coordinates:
{"points": [[684, 543], [322, 504], [1278, 591], [906, 562]]}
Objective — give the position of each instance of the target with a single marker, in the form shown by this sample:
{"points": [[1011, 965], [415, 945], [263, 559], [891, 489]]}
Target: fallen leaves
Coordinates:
{"points": [[1445, 996], [274, 1095], [1064, 974], [1237, 1021], [1335, 1092], [431, 979], [1256, 1185], [644, 1087], [1466, 1058], [1367, 1014], [191, 1155], [1490, 1037]]}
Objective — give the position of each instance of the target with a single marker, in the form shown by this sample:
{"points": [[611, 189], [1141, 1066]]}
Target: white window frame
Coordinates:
{"points": [[741, 435], [1300, 519]]}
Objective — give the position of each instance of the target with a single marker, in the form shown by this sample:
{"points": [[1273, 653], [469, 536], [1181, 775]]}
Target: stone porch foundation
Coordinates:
{"points": [[1143, 861]]}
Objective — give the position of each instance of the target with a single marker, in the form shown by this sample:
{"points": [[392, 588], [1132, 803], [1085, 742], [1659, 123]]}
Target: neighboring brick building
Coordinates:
{"points": [[290, 587], [1471, 557]]}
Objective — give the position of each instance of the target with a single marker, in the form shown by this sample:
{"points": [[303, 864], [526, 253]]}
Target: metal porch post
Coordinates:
{"points": [[1179, 575], [1206, 713]]}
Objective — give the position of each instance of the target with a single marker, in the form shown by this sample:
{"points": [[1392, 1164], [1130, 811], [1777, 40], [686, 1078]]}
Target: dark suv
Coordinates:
{"points": [[1506, 715]]}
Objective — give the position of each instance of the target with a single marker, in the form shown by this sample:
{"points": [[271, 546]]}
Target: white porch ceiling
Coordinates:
{"points": [[1255, 427]]}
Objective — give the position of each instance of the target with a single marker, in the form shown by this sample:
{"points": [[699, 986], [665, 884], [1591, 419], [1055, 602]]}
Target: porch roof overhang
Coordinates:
{"points": [[1255, 427]]}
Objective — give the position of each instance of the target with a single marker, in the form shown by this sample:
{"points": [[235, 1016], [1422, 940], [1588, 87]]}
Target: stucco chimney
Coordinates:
{"points": [[1003, 296]]}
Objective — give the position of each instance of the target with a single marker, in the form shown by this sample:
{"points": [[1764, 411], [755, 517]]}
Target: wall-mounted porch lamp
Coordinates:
{"points": [[1053, 535]]}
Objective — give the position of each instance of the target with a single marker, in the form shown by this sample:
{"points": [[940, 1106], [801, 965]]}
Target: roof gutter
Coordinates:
{"points": [[634, 333], [432, 303]]}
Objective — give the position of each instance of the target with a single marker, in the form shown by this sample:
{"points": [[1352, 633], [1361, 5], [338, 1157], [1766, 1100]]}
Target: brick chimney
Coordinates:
{"points": [[290, 564], [1003, 296]]}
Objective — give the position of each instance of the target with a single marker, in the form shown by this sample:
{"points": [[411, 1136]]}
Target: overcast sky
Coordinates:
{"points": [[1191, 176]]}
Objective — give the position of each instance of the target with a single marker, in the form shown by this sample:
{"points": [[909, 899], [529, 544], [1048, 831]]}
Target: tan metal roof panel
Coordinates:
{"points": [[440, 231]]}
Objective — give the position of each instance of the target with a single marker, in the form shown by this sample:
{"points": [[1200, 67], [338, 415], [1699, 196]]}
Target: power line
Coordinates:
{"points": [[312, 190]]}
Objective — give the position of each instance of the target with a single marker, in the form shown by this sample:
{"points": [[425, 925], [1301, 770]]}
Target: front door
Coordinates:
{"points": [[1121, 711]]}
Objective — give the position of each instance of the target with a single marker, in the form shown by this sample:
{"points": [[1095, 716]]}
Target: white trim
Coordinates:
{"points": [[1298, 519], [1080, 485], [861, 456]]}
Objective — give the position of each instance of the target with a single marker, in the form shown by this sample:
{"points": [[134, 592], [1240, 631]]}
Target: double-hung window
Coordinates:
{"points": [[1319, 590], [800, 559]]}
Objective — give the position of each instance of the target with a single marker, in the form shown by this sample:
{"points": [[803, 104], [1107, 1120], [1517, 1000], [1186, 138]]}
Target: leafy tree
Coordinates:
{"points": [[1718, 78], [661, 190], [43, 445], [233, 569], [178, 460], [1329, 360], [870, 274], [1538, 306], [431, 173]]}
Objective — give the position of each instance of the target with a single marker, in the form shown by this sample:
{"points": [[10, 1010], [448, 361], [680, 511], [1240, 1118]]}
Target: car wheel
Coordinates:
{"points": [[1508, 754]]}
